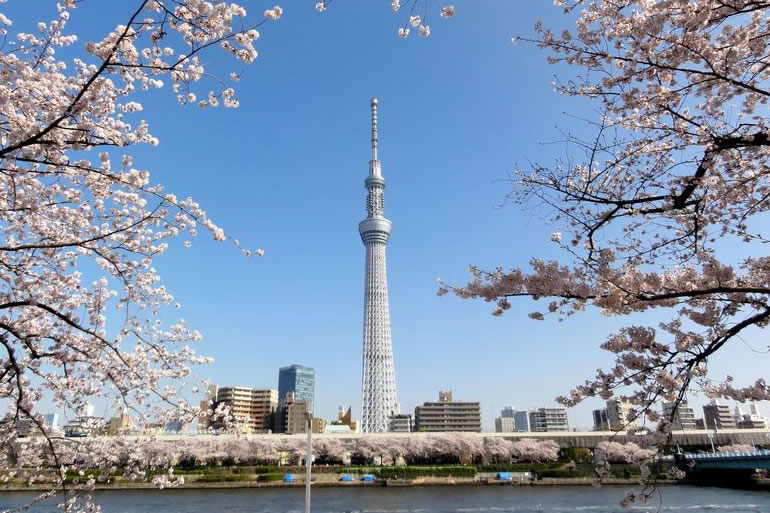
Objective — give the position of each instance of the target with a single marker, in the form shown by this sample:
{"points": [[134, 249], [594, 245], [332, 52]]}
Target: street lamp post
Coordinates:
{"points": [[711, 439], [308, 459]]}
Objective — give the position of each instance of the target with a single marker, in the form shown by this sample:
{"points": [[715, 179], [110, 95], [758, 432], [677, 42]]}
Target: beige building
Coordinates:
{"points": [[119, 425], [448, 415], [319, 425], [620, 415], [252, 409]]}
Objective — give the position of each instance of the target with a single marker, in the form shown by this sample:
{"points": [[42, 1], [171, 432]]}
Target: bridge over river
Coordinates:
{"points": [[724, 460]]}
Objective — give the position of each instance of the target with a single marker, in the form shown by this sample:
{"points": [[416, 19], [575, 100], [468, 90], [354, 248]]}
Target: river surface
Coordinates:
{"points": [[457, 499]]}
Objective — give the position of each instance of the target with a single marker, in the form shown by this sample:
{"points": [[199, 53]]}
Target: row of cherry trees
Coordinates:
{"points": [[112, 453]]}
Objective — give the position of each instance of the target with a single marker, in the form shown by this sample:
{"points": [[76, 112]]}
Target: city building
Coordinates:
{"points": [[295, 415], [251, 409], [25, 426], [752, 420], [401, 423], [718, 416], [601, 420], [176, 426], [521, 421], [119, 425], [379, 401], [505, 425], [620, 415], [318, 425], [300, 381], [345, 418], [448, 415], [682, 417], [152, 429], [52, 422], [85, 425], [544, 420]]}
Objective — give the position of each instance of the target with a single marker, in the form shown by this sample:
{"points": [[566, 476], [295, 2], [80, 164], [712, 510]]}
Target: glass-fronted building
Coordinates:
{"points": [[298, 379]]}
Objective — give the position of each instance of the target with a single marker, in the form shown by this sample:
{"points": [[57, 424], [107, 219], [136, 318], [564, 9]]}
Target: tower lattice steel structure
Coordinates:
{"points": [[378, 395]]}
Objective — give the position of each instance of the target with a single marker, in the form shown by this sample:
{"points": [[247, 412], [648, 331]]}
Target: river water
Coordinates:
{"points": [[456, 499]]}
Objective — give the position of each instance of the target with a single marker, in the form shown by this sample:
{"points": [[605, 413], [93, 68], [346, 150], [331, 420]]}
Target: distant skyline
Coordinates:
{"points": [[459, 112]]}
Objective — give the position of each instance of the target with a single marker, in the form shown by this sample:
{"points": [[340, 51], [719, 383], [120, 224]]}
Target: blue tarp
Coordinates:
{"points": [[346, 477], [505, 476], [288, 478], [369, 479]]}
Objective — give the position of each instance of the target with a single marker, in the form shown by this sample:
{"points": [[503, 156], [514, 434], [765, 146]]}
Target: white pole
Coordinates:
{"points": [[308, 462]]}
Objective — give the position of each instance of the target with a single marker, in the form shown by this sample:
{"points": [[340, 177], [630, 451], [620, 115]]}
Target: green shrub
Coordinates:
{"points": [[519, 467], [563, 473], [189, 471], [275, 476], [626, 471], [265, 469], [413, 472], [218, 478]]}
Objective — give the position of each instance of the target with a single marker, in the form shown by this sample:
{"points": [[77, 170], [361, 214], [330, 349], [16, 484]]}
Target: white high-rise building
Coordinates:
{"points": [[378, 395]]}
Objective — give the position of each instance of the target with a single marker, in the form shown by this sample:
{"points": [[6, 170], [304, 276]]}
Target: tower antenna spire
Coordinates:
{"points": [[374, 102]]}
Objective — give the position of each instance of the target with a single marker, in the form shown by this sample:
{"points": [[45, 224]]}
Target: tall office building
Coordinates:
{"points": [[299, 380], [379, 401]]}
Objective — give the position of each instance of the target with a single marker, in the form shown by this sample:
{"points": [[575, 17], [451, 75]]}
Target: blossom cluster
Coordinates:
{"points": [[670, 184], [81, 300]]}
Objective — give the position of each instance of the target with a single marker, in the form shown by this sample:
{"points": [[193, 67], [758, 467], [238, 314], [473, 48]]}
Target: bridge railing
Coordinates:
{"points": [[760, 453]]}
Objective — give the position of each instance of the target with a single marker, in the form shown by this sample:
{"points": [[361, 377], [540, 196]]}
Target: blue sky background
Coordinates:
{"points": [[284, 172]]}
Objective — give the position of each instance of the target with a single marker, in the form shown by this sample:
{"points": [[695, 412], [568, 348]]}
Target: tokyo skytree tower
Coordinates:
{"points": [[378, 394]]}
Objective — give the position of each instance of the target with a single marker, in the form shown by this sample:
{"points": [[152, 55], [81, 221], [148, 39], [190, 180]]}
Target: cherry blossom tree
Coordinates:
{"points": [[498, 450], [651, 210], [81, 307], [535, 451], [615, 452]]}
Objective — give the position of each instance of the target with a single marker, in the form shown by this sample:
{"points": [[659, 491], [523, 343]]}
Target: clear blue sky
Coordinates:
{"points": [[284, 172]]}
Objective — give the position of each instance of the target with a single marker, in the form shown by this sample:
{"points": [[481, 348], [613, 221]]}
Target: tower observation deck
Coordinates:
{"points": [[378, 394]]}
